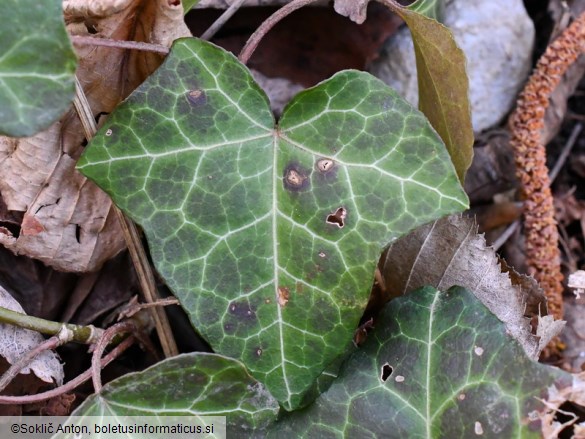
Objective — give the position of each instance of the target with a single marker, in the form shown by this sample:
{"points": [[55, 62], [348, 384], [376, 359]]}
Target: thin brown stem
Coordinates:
{"points": [[133, 241], [268, 24], [68, 387], [119, 44], [100, 347], [25, 360], [217, 24]]}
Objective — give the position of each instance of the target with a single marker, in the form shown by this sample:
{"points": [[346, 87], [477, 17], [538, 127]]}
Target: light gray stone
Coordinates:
{"points": [[497, 37]]}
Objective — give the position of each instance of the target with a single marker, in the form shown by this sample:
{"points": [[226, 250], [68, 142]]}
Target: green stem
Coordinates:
{"points": [[81, 334]]}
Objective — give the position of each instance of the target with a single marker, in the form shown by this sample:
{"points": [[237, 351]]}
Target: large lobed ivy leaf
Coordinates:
{"points": [[269, 235], [196, 384], [37, 66], [437, 365]]}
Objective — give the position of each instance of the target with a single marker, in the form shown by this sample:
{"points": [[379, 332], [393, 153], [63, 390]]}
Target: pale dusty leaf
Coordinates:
{"points": [[68, 222], [557, 397], [15, 341], [224, 4], [449, 252], [577, 282], [355, 10], [548, 328]]}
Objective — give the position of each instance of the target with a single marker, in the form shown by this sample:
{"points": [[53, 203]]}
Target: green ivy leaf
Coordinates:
{"points": [[189, 4], [443, 87], [189, 385], [269, 236], [437, 365], [429, 8], [37, 66]]}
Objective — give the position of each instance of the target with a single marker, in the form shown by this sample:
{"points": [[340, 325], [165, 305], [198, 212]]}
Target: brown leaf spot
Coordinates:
{"points": [[337, 218], [197, 97], [283, 296], [258, 351], [325, 165], [242, 310], [322, 254], [295, 178], [31, 226]]}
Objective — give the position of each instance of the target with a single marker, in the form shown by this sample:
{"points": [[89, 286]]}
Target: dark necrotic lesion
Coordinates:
{"points": [[296, 178], [197, 97]]}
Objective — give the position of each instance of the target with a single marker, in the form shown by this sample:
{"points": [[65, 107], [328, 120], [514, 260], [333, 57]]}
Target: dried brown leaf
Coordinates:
{"points": [[450, 252], [573, 393], [355, 10], [69, 223]]}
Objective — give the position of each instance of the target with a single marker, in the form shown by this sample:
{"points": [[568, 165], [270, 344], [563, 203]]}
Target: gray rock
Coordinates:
{"points": [[497, 37]]}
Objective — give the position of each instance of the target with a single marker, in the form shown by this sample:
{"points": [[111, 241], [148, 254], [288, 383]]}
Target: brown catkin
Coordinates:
{"points": [[526, 124]]}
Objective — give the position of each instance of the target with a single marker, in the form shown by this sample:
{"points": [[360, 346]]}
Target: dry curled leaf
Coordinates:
{"points": [[355, 10], [449, 252], [68, 222], [15, 341], [565, 397]]}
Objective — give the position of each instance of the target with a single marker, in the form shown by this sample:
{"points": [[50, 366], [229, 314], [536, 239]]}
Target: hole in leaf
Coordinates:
{"points": [[295, 178], [386, 372], [91, 28], [109, 132], [196, 97], [99, 116], [566, 412], [10, 228], [337, 218]]}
